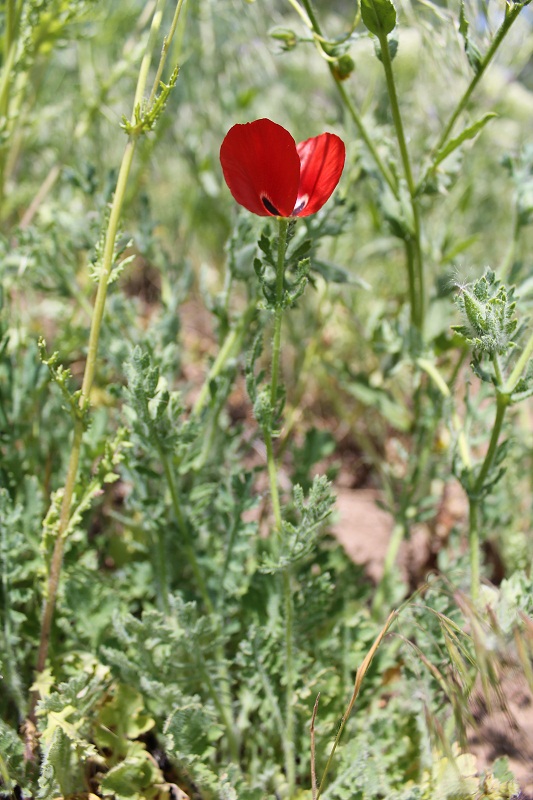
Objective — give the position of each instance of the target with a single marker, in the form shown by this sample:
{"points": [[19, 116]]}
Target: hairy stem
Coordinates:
{"points": [[415, 249], [290, 761], [519, 367], [184, 533], [474, 496], [273, 480], [278, 313], [90, 365], [502, 401], [473, 546], [288, 733]]}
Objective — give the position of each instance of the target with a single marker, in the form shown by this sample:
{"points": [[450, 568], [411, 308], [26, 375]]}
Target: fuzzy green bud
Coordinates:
{"points": [[263, 409], [475, 312]]}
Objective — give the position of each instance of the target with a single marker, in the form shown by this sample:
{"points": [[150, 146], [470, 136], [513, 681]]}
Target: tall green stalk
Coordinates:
{"points": [[94, 336], [414, 250], [504, 391], [283, 225], [288, 734], [414, 256]]}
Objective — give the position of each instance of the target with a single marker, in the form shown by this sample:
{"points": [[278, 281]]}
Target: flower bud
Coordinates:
{"points": [[343, 67]]}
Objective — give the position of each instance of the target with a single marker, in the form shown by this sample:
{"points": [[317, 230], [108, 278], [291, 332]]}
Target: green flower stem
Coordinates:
{"points": [[273, 480], [473, 546], [288, 734], [90, 365], [276, 342], [502, 401], [289, 746], [415, 265], [352, 111], [511, 14], [164, 52], [418, 311], [509, 257], [411, 279], [283, 225], [12, 17], [518, 368], [365, 136]]}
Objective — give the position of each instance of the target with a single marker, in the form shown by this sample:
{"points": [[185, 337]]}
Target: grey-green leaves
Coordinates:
{"points": [[379, 16], [489, 309]]}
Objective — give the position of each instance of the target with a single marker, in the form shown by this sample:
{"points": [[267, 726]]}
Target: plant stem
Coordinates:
{"points": [[353, 112], [288, 733], [283, 225], [222, 709], [473, 545], [474, 496], [383, 588], [509, 18], [164, 52], [90, 365], [273, 480], [417, 313], [278, 313], [519, 367], [502, 401], [290, 763], [365, 136], [182, 527]]}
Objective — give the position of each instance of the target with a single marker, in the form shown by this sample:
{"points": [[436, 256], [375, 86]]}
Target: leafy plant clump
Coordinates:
{"points": [[192, 393]]}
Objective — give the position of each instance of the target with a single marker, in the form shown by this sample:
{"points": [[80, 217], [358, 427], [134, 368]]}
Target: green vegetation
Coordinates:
{"points": [[182, 382]]}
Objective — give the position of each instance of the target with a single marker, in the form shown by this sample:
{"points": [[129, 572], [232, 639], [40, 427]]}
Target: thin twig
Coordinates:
{"points": [[313, 761]]}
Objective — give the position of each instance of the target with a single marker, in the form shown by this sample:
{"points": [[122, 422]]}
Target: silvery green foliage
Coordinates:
{"points": [[299, 539], [489, 310]]}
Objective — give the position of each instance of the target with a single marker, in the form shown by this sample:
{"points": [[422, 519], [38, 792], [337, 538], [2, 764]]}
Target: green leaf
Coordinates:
{"points": [[379, 16], [468, 133], [472, 52]]}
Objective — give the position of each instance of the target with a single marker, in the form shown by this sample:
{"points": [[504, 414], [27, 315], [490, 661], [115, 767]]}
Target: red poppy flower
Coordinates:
{"points": [[272, 176]]}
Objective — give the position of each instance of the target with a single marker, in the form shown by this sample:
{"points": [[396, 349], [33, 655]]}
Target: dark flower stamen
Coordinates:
{"points": [[269, 207]]}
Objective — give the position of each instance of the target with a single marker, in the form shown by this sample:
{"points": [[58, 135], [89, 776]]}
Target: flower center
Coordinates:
{"points": [[269, 207]]}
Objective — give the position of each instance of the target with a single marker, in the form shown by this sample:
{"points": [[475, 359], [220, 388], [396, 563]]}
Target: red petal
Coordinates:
{"points": [[321, 165], [260, 163]]}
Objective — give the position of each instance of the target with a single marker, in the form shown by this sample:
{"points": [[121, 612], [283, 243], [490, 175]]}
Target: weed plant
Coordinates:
{"points": [[177, 373]]}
